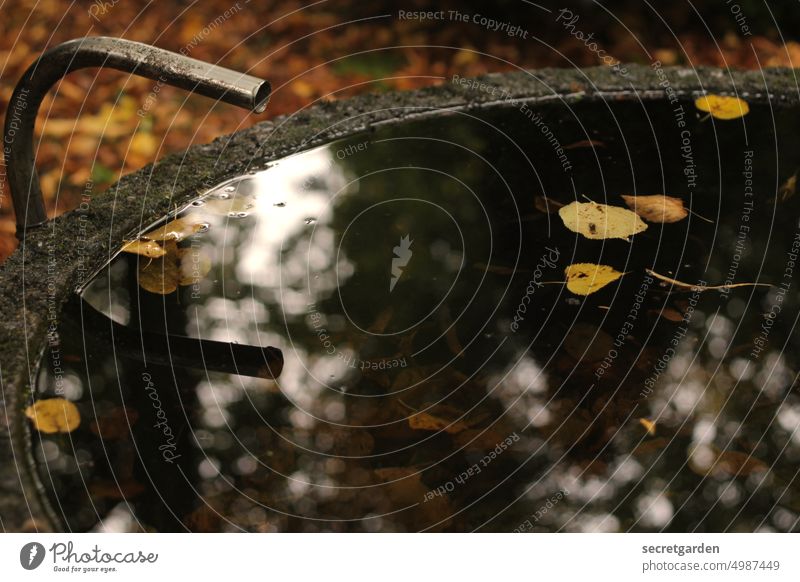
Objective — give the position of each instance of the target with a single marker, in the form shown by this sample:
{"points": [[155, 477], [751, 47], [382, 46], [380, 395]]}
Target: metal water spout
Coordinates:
{"points": [[104, 52]]}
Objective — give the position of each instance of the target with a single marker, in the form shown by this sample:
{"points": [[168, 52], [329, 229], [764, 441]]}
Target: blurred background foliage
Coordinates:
{"points": [[96, 127]]}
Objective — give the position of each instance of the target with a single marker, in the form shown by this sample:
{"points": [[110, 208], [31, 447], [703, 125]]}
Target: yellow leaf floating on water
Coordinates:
{"points": [[788, 188], [657, 208], [176, 230], [233, 205], [54, 415], [586, 278], [723, 107], [649, 426], [599, 221], [147, 248]]}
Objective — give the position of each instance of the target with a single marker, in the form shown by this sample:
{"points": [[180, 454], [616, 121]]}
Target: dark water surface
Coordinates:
{"points": [[436, 375]]}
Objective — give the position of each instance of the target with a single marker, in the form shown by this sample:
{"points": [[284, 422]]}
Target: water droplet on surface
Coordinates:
{"points": [[203, 227], [223, 196], [280, 204], [242, 214], [198, 202], [229, 189]]}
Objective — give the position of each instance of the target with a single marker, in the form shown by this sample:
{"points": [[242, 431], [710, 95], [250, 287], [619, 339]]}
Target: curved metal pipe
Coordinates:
{"points": [[115, 53]]}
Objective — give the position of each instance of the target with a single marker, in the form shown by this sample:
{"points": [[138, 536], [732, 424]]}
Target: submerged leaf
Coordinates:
{"points": [[176, 230], [178, 267], [586, 278], [160, 275], [587, 343], [54, 415], [723, 107], [657, 208], [146, 248], [425, 421], [599, 221]]}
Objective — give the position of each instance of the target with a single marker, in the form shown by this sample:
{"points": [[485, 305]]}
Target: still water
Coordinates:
{"points": [[389, 345]]}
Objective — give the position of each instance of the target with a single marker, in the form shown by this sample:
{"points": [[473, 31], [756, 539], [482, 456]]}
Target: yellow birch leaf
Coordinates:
{"points": [[54, 415], [649, 426], [722, 107], [600, 221], [147, 248], [657, 208], [586, 278], [788, 188]]}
